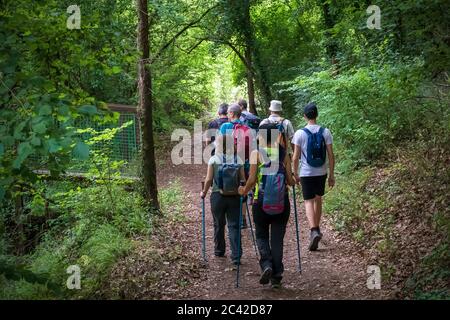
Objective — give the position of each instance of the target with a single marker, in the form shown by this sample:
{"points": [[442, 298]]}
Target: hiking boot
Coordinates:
{"points": [[276, 283], [314, 240], [265, 277]]}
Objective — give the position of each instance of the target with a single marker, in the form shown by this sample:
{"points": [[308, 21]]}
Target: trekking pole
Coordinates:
{"points": [[241, 200], [251, 230], [203, 226], [297, 230]]}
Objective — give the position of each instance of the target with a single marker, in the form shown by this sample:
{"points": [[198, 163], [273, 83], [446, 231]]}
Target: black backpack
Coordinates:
{"points": [[251, 121]]}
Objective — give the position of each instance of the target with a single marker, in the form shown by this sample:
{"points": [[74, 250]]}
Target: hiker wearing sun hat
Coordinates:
{"points": [[275, 118]]}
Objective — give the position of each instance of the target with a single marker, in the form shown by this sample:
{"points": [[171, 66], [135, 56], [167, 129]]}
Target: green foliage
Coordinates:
{"points": [[172, 201], [349, 213], [371, 109]]}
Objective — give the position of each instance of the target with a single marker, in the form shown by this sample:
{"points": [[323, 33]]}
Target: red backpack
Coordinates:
{"points": [[241, 132]]}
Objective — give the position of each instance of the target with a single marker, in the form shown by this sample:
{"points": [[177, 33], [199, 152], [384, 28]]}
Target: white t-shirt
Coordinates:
{"points": [[301, 139], [286, 124]]}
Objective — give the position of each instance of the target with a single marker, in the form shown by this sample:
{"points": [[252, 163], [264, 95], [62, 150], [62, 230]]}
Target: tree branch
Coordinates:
{"points": [[179, 33]]}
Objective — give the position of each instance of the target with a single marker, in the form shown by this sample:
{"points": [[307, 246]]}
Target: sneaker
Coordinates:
{"points": [[276, 284], [265, 277], [314, 240]]}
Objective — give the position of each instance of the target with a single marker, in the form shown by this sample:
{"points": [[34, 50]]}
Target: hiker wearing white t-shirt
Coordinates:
{"points": [[275, 117], [313, 146]]}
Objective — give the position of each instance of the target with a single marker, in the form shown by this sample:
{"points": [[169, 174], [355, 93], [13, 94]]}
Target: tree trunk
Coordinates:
{"points": [[250, 84], [331, 45], [145, 107], [255, 72]]}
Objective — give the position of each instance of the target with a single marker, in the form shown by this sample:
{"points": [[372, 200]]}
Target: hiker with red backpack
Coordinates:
{"points": [[312, 145], [270, 173], [225, 173]]}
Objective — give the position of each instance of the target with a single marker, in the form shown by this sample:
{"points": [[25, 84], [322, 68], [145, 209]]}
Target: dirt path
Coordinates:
{"points": [[335, 271]]}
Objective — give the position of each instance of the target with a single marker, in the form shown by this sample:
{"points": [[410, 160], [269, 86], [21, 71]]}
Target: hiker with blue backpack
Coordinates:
{"points": [[312, 145], [270, 174], [225, 173]]}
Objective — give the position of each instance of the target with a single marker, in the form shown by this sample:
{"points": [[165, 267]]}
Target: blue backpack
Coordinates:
{"points": [[316, 152], [251, 121], [273, 187], [228, 179]]}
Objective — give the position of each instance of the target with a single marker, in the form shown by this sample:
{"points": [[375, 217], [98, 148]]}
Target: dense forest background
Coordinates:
{"points": [[382, 92]]}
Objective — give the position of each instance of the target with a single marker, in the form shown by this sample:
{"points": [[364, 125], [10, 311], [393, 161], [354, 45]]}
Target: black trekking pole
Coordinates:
{"points": [[251, 230], [297, 230], [203, 226], [241, 200]]}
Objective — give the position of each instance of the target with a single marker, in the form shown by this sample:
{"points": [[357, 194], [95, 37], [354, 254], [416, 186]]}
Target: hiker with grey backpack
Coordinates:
{"points": [[270, 174], [224, 174], [313, 146]]}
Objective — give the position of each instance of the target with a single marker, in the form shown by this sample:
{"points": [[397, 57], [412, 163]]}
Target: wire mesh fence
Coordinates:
{"points": [[124, 146]]}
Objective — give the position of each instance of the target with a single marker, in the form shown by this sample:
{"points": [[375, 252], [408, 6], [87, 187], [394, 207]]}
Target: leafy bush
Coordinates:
{"points": [[370, 109]]}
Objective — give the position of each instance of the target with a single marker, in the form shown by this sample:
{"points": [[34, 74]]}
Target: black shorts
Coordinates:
{"points": [[313, 186]]}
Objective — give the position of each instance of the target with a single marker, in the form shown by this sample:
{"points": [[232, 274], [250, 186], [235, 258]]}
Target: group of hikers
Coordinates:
{"points": [[254, 161]]}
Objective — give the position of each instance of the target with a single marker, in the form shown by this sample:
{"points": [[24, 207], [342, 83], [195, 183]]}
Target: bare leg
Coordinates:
{"points": [[317, 210], [244, 212], [310, 214]]}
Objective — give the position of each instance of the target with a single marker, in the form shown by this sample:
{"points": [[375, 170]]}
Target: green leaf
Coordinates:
{"points": [[39, 127], [23, 151], [89, 110], [81, 151], [2, 150], [66, 142], [18, 130], [45, 110], [116, 69], [8, 141], [36, 141], [2, 193], [53, 146], [64, 110]]}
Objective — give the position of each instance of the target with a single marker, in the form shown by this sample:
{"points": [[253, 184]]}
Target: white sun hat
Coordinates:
{"points": [[275, 105]]}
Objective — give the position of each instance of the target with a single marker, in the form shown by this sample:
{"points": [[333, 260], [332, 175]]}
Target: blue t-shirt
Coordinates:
{"points": [[227, 128]]}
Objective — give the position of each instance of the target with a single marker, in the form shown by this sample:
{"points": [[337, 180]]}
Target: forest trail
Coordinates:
{"points": [[335, 271]]}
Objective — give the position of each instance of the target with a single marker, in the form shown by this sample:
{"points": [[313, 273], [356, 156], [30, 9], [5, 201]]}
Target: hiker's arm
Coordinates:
{"points": [[287, 164], [208, 181], [296, 160], [331, 180], [252, 174], [242, 175]]}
